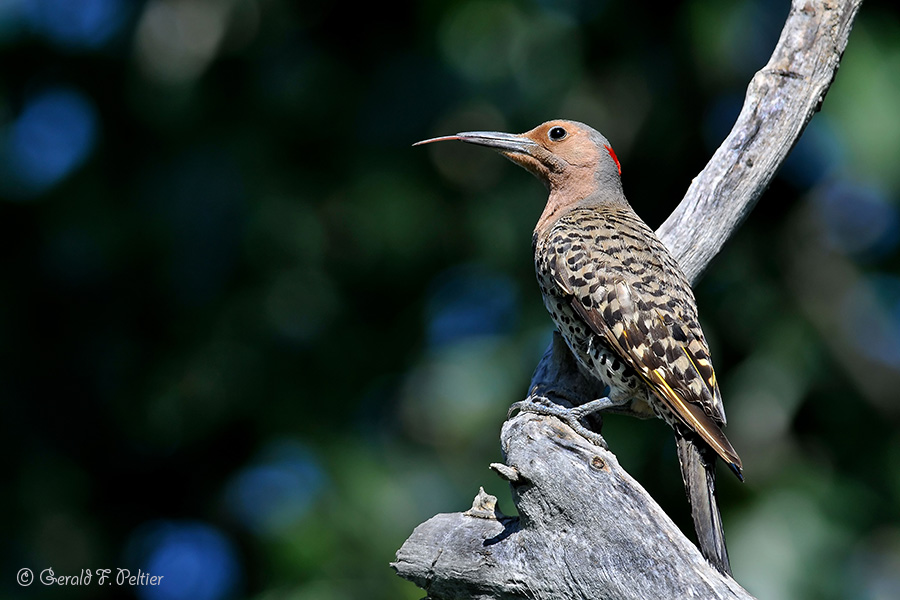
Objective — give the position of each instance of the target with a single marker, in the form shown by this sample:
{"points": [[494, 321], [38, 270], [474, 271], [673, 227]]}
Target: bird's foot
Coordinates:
{"points": [[570, 415]]}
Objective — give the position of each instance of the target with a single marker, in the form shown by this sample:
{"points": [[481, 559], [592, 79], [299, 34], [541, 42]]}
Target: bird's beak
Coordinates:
{"points": [[505, 142]]}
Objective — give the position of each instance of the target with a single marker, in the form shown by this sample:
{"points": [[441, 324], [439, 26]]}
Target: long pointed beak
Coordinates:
{"points": [[506, 142]]}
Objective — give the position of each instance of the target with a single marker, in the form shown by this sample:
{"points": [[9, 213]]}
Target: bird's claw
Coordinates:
{"points": [[534, 404], [571, 416]]}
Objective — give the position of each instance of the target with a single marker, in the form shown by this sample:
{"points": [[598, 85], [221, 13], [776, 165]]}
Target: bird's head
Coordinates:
{"points": [[565, 155]]}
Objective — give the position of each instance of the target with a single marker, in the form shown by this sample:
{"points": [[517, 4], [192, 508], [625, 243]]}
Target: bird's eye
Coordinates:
{"points": [[557, 133]]}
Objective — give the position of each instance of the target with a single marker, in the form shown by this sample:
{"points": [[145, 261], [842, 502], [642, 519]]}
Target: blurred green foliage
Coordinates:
{"points": [[250, 338]]}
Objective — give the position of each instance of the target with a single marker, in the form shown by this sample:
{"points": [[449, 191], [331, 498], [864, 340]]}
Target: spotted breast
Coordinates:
{"points": [[604, 261]]}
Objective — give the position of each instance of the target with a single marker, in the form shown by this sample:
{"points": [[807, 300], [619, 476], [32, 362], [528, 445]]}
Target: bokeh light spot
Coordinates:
{"points": [[196, 561], [872, 318], [52, 137], [177, 41], [470, 301], [278, 489], [76, 23], [479, 39], [859, 219]]}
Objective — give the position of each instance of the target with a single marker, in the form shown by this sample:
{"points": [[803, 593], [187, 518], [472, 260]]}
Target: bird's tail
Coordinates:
{"points": [[698, 469]]}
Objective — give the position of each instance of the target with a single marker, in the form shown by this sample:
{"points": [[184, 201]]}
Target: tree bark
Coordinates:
{"points": [[586, 529]]}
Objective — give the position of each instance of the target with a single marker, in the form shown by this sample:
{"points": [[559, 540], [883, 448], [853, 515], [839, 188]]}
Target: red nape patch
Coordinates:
{"points": [[614, 157]]}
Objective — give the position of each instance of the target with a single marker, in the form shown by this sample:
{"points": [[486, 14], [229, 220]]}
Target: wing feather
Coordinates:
{"points": [[672, 369]]}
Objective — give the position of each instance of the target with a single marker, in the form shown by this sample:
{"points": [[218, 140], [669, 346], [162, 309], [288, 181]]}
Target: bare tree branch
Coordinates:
{"points": [[586, 528], [780, 101]]}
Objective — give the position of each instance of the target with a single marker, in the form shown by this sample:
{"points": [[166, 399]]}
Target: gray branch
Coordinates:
{"points": [[780, 101], [586, 529]]}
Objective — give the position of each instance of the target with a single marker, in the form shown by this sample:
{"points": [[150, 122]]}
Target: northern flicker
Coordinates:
{"points": [[623, 306]]}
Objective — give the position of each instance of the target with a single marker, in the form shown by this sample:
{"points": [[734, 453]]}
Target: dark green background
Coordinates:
{"points": [[249, 337]]}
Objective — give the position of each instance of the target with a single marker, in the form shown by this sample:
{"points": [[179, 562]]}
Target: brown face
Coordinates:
{"points": [[567, 141], [561, 150]]}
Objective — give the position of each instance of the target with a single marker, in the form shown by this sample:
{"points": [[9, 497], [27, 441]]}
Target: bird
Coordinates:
{"points": [[623, 306]]}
